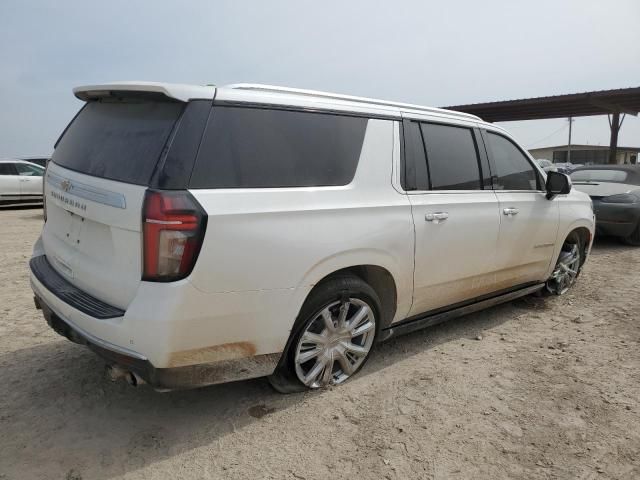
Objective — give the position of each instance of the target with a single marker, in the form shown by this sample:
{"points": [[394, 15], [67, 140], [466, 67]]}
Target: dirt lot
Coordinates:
{"points": [[552, 390]]}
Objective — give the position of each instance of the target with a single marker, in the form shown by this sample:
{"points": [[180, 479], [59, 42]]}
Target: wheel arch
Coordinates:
{"points": [[389, 277], [582, 228], [380, 279]]}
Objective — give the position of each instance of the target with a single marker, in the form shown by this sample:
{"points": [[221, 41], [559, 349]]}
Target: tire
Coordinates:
{"points": [[327, 355], [568, 265], [634, 238]]}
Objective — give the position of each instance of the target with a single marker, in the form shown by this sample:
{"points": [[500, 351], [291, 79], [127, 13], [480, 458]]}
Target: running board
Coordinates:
{"points": [[433, 319]]}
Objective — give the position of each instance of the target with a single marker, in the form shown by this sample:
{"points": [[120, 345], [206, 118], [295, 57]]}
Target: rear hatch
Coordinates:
{"points": [[95, 188]]}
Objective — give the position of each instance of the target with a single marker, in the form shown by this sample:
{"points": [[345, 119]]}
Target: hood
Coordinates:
{"points": [[604, 189]]}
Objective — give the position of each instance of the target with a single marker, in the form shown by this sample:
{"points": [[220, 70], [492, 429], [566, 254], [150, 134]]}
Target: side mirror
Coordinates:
{"points": [[557, 184]]}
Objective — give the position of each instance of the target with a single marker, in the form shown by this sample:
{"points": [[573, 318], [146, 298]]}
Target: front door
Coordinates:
{"points": [[528, 221], [456, 219], [30, 179]]}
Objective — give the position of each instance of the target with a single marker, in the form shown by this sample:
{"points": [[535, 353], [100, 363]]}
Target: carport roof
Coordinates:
{"points": [[601, 102]]}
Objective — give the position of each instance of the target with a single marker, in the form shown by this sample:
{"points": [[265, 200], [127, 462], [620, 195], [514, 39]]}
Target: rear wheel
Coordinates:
{"points": [[634, 238], [332, 338], [568, 265]]}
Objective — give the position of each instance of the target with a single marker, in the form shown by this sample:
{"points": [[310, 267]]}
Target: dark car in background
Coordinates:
{"points": [[615, 192]]}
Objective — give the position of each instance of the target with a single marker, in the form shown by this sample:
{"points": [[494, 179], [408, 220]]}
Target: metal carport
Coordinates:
{"points": [[603, 102]]}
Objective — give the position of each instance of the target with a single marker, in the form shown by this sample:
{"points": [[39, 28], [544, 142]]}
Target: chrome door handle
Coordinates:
{"points": [[510, 211], [436, 217], [23, 179]]}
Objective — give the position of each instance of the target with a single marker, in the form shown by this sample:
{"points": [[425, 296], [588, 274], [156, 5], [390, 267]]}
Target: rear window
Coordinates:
{"points": [[263, 148], [452, 157], [118, 140], [616, 176], [7, 169]]}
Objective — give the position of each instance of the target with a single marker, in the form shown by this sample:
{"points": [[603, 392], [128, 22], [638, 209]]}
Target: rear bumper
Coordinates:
{"points": [[192, 376], [617, 219], [67, 311]]}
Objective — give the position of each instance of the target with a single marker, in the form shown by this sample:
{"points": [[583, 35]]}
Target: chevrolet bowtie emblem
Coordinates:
{"points": [[65, 185]]}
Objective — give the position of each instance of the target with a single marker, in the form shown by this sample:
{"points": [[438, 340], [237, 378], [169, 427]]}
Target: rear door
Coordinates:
{"points": [[9, 181], [528, 221], [95, 186], [455, 213]]}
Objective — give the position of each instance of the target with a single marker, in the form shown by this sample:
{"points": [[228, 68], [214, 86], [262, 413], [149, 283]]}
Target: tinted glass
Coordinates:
{"points": [[24, 169], [513, 169], [616, 176], [417, 177], [118, 140], [39, 161], [7, 169], [261, 148], [452, 157]]}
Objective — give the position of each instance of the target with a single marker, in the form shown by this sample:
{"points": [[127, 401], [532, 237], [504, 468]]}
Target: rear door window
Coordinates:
{"points": [[7, 169], [265, 148], [452, 157], [512, 168], [118, 140]]}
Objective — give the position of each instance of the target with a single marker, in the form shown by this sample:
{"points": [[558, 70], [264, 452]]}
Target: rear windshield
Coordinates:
{"points": [[263, 148], [118, 140], [615, 176]]}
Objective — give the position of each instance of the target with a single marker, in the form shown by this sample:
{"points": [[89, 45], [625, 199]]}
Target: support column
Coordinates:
{"points": [[614, 123]]}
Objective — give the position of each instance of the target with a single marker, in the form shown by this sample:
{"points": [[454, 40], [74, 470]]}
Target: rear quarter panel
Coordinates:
{"points": [[291, 238]]}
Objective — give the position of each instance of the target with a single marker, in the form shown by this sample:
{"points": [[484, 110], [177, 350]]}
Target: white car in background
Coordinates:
{"points": [[546, 165], [20, 182]]}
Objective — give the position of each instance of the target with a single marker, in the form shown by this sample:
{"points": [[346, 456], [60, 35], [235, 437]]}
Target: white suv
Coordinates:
{"points": [[198, 235]]}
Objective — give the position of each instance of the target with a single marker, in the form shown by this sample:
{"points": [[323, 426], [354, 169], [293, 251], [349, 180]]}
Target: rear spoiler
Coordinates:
{"points": [[175, 91]]}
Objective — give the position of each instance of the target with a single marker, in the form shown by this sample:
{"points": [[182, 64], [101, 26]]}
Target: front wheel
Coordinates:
{"points": [[567, 267], [332, 337]]}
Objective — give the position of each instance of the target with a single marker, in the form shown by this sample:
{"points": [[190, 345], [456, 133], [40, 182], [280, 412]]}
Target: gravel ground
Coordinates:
{"points": [[539, 388]]}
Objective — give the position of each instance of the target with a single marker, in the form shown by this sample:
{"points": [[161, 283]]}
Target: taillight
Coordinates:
{"points": [[173, 225]]}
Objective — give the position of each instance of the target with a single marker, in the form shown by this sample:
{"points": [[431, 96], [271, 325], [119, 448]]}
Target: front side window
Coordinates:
{"points": [[512, 168], [452, 157], [29, 170], [267, 148]]}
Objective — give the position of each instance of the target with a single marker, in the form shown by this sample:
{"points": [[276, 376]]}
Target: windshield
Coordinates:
{"points": [[616, 176]]}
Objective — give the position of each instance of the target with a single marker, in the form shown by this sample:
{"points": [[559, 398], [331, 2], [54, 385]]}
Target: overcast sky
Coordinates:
{"points": [[427, 52]]}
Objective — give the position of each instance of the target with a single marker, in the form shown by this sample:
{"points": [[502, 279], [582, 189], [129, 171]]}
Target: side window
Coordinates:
{"points": [[513, 169], [29, 170], [452, 157], [263, 148], [7, 169], [416, 176]]}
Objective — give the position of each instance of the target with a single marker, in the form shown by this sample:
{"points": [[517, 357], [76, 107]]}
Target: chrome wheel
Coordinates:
{"points": [[566, 271], [335, 343]]}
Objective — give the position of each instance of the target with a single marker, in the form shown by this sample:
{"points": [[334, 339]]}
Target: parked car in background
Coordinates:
{"points": [[546, 165], [41, 160], [20, 182], [566, 168], [615, 192], [198, 235]]}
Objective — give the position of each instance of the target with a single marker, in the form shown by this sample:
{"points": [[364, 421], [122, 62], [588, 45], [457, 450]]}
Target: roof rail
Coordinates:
{"points": [[348, 98]]}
